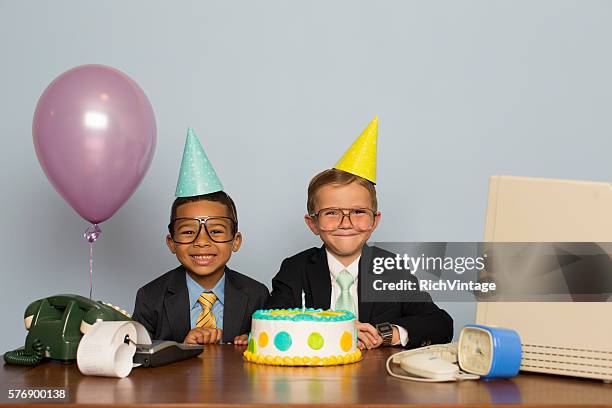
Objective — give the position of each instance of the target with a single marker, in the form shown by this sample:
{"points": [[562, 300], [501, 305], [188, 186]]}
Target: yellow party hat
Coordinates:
{"points": [[360, 158]]}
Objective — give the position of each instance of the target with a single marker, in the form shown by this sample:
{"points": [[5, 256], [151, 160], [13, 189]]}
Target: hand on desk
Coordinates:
{"points": [[368, 336], [203, 335], [241, 340]]}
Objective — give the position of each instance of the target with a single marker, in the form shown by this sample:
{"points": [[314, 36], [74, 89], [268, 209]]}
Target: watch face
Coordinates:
{"points": [[384, 328], [475, 350]]}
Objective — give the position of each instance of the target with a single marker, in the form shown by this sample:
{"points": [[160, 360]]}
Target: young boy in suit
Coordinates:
{"points": [[343, 212], [201, 301]]}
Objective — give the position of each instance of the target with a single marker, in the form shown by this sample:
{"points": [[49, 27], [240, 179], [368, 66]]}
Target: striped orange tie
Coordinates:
{"points": [[206, 317]]}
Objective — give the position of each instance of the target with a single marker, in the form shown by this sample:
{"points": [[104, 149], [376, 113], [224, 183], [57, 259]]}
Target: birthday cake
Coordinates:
{"points": [[302, 337]]}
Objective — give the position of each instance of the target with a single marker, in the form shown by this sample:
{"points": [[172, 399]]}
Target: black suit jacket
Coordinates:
{"points": [[425, 322], [162, 306]]}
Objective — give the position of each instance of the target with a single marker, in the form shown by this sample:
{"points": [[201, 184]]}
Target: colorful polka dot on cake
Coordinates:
{"points": [[263, 339], [346, 341], [282, 341], [315, 341], [252, 348]]}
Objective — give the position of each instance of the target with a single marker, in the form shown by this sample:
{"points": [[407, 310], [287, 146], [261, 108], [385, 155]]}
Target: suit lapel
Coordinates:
{"points": [[234, 308], [177, 306], [365, 266], [319, 281]]}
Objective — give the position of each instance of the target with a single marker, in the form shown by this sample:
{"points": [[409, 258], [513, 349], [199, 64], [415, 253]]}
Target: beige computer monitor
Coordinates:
{"points": [[558, 338]]}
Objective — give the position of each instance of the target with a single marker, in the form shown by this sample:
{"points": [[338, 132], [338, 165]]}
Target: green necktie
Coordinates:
{"points": [[345, 300]]}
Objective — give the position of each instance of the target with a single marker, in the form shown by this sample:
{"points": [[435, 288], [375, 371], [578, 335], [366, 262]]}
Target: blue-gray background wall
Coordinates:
{"points": [[277, 90]]}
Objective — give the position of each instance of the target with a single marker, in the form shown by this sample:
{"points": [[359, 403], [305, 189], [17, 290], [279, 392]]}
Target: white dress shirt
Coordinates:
{"points": [[335, 267]]}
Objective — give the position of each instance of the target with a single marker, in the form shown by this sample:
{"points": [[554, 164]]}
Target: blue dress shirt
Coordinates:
{"points": [[195, 290]]}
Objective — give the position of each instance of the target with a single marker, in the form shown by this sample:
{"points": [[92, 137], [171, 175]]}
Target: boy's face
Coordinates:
{"points": [[346, 241], [204, 258]]}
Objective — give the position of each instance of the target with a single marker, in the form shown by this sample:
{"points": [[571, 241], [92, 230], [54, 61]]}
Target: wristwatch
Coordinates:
{"points": [[386, 332]]}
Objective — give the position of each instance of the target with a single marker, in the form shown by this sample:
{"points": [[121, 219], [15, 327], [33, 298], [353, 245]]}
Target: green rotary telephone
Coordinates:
{"points": [[56, 324]]}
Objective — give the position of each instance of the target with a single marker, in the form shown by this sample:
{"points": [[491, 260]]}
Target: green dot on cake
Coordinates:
{"points": [[252, 348], [315, 341]]}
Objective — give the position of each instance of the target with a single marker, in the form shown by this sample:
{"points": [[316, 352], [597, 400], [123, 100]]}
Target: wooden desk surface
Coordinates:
{"points": [[220, 376]]}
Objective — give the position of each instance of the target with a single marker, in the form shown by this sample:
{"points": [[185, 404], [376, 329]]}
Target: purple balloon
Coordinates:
{"points": [[94, 134]]}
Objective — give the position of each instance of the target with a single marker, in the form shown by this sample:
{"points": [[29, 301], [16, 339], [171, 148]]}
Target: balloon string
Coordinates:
{"points": [[91, 235], [90, 269]]}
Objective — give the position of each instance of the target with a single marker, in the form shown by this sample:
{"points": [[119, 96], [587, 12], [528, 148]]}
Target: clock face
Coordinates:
{"points": [[475, 350]]}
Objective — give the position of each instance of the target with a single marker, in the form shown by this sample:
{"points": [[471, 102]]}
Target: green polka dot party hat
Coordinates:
{"points": [[197, 175], [360, 158]]}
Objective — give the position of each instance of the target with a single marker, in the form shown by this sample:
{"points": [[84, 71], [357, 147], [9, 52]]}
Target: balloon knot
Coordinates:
{"points": [[92, 233]]}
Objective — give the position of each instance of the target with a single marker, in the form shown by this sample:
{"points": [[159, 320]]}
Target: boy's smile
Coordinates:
{"points": [[345, 242], [204, 258]]}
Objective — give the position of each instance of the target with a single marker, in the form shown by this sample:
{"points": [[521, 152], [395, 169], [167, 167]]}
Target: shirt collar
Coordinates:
{"points": [[335, 266], [195, 290]]}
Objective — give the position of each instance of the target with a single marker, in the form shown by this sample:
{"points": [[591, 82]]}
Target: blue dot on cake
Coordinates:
{"points": [[282, 341]]}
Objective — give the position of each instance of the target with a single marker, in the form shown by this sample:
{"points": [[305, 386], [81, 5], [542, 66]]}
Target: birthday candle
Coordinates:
{"points": [[303, 301]]}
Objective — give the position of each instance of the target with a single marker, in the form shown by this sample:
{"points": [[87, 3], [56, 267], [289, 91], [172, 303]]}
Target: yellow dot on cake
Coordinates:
{"points": [[263, 339], [346, 341]]}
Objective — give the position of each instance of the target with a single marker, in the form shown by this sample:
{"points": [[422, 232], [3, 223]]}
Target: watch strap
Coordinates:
{"points": [[386, 332]]}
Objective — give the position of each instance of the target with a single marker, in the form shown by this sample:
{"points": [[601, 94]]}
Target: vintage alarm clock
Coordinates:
{"points": [[490, 352]]}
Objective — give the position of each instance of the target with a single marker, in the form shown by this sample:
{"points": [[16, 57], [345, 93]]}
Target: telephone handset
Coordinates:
{"points": [[56, 324], [437, 363]]}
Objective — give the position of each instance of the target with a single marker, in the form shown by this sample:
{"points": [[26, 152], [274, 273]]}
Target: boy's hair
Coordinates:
{"points": [[335, 176], [219, 197]]}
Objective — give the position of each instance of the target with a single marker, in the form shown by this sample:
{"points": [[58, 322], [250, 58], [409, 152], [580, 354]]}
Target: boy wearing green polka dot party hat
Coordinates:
{"points": [[202, 300], [343, 212]]}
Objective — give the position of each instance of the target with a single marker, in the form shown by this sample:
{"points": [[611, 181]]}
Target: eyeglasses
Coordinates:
{"points": [[330, 219], [187, 230]]}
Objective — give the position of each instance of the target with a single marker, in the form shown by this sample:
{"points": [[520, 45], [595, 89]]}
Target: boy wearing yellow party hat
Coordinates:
{"points": [[343, 211], [201, 301]]}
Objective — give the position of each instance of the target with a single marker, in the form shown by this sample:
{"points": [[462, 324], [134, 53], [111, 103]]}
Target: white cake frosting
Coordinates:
{"points": [[302, 337]]}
